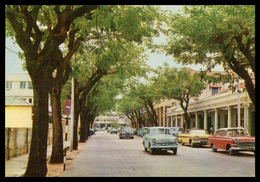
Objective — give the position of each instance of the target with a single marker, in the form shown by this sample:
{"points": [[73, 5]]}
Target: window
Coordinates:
{"points": [[8, 85], [214, 90], [22, 85], [30, 100], [30, 85]]}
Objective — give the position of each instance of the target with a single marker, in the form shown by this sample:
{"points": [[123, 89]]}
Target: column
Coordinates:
{"points": [[246, 118], [229, 116], [182, 120], [205, 119], [196, 120], [171, 117], [176, 120], [216, 119]]}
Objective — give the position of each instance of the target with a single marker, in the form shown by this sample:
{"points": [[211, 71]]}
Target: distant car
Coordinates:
{"points": [[143, 131], [160, 138], [176, 130], [91, 131], [108, 130], [113, 130], [232, 140], [194, 137], [125, 134], [138, 133]]}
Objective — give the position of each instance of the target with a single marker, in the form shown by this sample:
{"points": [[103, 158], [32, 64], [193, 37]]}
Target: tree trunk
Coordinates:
{"points": [[82, 138], [36, 166], [57, 142]]}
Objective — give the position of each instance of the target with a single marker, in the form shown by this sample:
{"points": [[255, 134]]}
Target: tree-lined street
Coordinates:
{"points": [[107, 156]]}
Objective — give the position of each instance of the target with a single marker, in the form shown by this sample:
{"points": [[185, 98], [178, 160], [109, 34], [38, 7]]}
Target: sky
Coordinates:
{"points": [[14, 65]]}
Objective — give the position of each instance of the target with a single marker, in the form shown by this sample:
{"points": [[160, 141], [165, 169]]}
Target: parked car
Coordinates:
{"points": [[194, 137], [91, 131], [232, 140], [160, 138], [143, 131], [125, 134], [108, 129], [113, 130], [138, 133], [176, 130]]}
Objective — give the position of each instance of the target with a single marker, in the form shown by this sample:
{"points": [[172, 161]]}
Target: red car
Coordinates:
{"points": [[232, 139]]}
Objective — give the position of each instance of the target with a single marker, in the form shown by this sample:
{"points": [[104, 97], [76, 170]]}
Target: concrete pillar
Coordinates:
{"points": [[246, 117], [182, 119], [229, 116], [176, 120], [216, 119], [205, 119], [196, 120]]}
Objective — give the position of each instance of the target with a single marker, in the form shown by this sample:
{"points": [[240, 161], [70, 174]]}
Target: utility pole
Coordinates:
{"points": [[238, 104], [72, 112]]}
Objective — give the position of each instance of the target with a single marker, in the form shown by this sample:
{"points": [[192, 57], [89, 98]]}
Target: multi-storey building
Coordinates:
{"points": [[105, 120], [216, 107], [19, 85]]}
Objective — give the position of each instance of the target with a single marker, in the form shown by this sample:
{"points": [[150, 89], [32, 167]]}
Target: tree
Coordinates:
{"points": [[179, 84], [132, 108], [212, 35], [41, 30], [146, 93]]}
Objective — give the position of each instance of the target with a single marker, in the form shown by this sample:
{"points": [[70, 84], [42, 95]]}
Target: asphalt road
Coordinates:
{"points": [[107, 156]]}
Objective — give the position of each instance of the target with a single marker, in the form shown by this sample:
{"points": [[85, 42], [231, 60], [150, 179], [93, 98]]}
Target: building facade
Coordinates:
{"points": [[105, 120], [216, 107], [19, 85]]}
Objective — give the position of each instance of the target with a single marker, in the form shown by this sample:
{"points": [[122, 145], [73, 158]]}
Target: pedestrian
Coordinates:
{"points": [[211, 130], [184, 126]]}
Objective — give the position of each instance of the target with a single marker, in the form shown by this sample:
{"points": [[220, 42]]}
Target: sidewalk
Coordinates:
{"points": [[16, 166]]}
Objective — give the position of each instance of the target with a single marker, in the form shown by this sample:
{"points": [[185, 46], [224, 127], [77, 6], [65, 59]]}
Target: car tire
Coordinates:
{"points": [[182, 142], [191, 143], [213, 148], [230, 150], [174, 151], [151, 151]]}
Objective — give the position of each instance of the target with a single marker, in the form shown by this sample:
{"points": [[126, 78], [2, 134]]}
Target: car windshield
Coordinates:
{"points": [[198, 132], [237, 132], [159, 131]]}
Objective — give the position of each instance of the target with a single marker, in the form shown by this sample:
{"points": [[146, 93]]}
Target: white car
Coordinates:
{"points": [[160, 138]]}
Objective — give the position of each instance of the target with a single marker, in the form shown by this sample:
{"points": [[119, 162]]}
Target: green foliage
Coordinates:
{"points": [[180, 84], [114, 124]]}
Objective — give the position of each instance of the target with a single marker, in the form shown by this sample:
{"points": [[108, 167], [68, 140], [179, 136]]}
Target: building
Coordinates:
{"points": [[105, 120], [217, 106], [19, 85]]}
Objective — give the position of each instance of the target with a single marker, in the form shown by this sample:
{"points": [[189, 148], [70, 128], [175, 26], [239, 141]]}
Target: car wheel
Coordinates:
{"points": [[192, 144], [182, 142], [174, 151], [151, 151], [230, 150], [213, 148]]}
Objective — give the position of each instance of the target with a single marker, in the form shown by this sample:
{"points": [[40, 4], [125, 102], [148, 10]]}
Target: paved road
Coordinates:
{"points": [[106, 155]]}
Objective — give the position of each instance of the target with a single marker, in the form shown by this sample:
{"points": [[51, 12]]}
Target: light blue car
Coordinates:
{"points": [[160, 139]]}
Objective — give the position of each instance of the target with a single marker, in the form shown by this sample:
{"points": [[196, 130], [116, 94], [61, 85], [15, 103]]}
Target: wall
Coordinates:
{"points": [[18, 116]]}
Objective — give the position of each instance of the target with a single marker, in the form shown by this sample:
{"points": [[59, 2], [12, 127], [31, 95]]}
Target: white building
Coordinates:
{"points": [[105, 121], [19, 85], [217, 106]]}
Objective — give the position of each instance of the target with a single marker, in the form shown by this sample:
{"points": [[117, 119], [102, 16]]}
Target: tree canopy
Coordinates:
{"points": [[217, 34]]}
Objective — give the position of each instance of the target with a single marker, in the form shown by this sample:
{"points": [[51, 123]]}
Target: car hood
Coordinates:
{"points": [[164, 138]]}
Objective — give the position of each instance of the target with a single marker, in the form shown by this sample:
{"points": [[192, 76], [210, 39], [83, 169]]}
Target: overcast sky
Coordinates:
{"points": [[13, 63]]}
